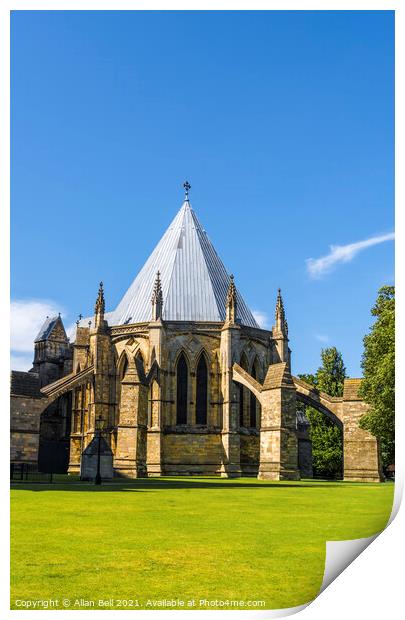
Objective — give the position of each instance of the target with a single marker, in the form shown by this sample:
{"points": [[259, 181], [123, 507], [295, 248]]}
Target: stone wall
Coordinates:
{"points": [[361, 456], [25, 421], [249, 452], [191, 453], [128, 376]]}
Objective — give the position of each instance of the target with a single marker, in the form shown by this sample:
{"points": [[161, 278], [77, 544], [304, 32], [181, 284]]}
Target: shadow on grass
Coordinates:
{"points": [[152, 484]]}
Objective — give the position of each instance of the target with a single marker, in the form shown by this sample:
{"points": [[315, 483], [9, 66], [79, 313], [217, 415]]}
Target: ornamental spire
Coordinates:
{"points": [[157, 299], [99, 308], [281, 323], [231, 304]]}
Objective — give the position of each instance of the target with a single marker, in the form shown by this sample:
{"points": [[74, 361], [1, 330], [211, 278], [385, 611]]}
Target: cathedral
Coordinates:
{"points": [[178, 379]]}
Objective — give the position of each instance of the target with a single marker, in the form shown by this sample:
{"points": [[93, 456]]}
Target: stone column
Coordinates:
{"points": [[76, 436], [278, 436], [230, 466], [156, 395], [361, 458], [104, 375], [130, 453]]}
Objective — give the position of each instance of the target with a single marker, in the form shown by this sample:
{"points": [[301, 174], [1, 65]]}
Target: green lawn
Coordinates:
{"points": [[184, 538]]}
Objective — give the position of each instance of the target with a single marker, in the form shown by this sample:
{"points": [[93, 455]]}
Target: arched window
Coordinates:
{"points": [[182, 390], [202, 392], [124, 367], [241, 404], [139, 363], [253, 402], [153, 412]]}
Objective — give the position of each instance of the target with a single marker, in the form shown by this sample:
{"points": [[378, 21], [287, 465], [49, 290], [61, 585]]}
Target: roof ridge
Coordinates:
{"points": [[182, 208]]}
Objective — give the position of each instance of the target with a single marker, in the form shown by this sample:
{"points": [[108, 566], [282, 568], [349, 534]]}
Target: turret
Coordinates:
{"points": [[53, 355], [280, 332], [281, 324], [229, 353], [99, 309]]}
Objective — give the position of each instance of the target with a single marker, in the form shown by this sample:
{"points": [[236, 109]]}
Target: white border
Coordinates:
{"points": [[372, 585]]}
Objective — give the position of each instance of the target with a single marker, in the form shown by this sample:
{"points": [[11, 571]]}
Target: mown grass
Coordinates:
{"points": [[184, 538]]}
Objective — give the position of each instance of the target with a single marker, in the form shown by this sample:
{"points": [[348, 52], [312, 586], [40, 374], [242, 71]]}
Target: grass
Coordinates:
{"points": [[184, 538]]}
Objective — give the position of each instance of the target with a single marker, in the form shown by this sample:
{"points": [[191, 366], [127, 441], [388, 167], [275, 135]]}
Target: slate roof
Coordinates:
{"points": [[92, 448], [194, 279], [25, 384], [47, 328]]}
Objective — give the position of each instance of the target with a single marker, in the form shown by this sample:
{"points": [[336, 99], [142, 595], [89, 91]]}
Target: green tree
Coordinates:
{"points": [[378, 363], [326, 437], [331, 375]]}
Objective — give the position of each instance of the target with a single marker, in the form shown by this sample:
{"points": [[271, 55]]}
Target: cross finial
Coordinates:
{"points": [[187, 187]]}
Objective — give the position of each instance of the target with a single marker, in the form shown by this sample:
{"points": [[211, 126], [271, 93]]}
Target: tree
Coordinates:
{"points": [[331, 375], [326, 437], [378, 363]]}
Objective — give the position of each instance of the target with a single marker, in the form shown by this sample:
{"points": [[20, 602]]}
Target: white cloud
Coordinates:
{"points": [[317, 267], [322, 337], [21, 361], [27, 317], [262, 319]]}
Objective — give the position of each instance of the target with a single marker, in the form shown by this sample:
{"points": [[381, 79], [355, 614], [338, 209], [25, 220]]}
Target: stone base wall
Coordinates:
{"points": [[249, 453], [25, 422], [191, 453], [154, 453], [361, 453]]}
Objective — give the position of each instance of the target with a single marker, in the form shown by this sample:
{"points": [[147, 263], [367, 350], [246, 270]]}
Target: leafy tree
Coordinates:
{"points": [[326, 437], [378, 363], [331, 375], [327, 445]]}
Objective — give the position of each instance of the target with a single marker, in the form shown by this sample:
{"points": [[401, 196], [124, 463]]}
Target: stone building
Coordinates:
{"points": [[184, 379], [40, 432]]}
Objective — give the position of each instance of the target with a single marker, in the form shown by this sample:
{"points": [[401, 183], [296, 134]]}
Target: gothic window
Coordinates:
{"points": [[253, 402], [139, 363], [124, 367], [153, 413], [243, 400], [182, 390], [202, 392], [241, 404]]}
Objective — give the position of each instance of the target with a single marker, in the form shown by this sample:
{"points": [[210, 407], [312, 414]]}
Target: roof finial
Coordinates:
{"points": [[99, 309], [157, 299], [187, 187], [231, 301], [281, 323], [100, 304]]}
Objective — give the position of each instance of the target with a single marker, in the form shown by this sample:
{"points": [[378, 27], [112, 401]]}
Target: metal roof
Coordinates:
{"points": [[194, 279]]}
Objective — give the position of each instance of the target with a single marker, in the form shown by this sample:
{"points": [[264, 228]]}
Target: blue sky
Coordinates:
{"points": [[282, 121]]}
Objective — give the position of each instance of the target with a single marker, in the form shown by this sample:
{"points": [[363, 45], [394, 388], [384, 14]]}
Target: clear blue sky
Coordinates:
{"points": [[281, 121]]}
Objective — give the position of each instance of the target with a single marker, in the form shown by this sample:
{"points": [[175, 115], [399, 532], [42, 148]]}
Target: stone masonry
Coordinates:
{"points": [[210, 394]]}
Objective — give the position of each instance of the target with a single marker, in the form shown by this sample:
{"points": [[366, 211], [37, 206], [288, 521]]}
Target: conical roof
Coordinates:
{"points": [[193, 278]]}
